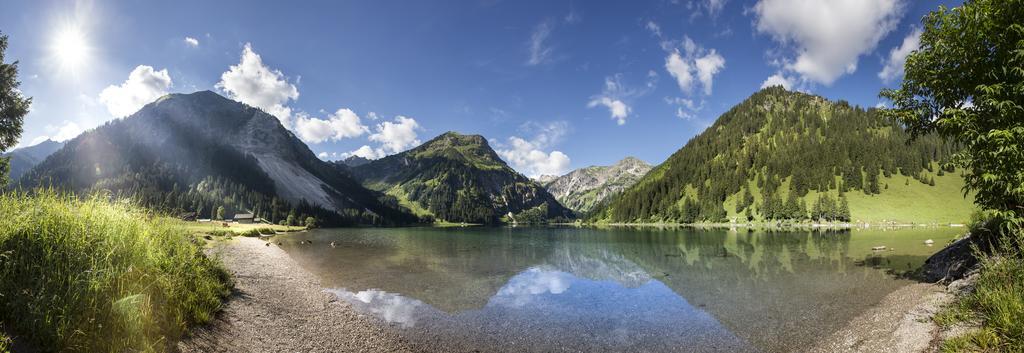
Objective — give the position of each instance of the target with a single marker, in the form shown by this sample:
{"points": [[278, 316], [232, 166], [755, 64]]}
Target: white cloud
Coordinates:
{"points": [[529, 157], [342, 124], [778, 79], [707, 67], [396, 136], [253, 83], [827, 37], [654, 28], [540, 51], [680, 69], [714, 7], [898, 57], [618, 109], [144, 85], [66, 131], [192, 42], [693, 60], [365, 152], [323, 155], [613, 97]]}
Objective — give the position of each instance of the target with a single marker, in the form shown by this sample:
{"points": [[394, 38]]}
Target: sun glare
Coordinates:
{"points": [[70, 48]]}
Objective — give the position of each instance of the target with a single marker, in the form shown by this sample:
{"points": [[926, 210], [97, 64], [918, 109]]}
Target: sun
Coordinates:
{"points": [[70, 48]]}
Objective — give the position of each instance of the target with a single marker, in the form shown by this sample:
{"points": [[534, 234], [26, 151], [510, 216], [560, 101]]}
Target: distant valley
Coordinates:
{"points": [[584, 189]]}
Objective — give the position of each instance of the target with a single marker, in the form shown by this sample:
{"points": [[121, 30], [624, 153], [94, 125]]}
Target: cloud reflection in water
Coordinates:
{"points": [[390, 307]]}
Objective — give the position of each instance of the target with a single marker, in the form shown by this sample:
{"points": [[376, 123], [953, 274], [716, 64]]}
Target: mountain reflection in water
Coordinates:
{"points": [[542, 289]]}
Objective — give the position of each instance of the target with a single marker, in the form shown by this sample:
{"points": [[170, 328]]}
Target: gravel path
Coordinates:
{"points": [[279, 307], [900, 323]]}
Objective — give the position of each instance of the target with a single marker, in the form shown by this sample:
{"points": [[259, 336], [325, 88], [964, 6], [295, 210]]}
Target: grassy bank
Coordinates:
{"points": [[96, 276], [996, 305], [218, 228]]}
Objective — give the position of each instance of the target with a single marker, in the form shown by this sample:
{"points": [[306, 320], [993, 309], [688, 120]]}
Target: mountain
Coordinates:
{"points": [[354, 161], [199, 152], [583, 189], [23, 159], [459, 178], [789, 155]]}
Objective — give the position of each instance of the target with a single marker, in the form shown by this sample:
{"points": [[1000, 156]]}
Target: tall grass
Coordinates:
{"points": [[99, 276], [997, 302]]}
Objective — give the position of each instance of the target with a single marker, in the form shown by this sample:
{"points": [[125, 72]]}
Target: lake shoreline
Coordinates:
{"points": [[280, 306], [901, 322], [277, 306]]}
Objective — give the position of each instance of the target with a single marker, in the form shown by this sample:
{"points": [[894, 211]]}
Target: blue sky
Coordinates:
{"points": [[554, 85]]}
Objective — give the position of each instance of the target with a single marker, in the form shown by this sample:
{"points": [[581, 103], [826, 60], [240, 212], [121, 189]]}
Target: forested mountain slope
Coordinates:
{"points": [[459, 178], [199, 152], [23, 159], [789, 155], [584, 189]]}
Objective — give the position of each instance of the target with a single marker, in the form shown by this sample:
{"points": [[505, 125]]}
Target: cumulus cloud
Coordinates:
{"points": [[826, 37], [778, 79], [253, 83], [529, 157], [192, 42], [396, 136], [618, 109], [344, 123], [680, 70], [707, 66], [898, 57], [613, 96], [540, 51], [693, 60], [365, 152], [144, 85], [391, 137]]}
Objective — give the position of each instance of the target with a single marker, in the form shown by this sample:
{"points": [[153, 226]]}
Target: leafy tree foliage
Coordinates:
{"points": [[13, 107], [966, 82], [787, 144]]}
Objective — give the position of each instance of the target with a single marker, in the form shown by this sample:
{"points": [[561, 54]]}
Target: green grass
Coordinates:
{"points": [[902, 202], [101, 276], [997, 303], [5, 343], [914, 202], [218, 228]]}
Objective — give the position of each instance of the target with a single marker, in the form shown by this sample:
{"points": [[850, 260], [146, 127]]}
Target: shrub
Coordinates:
{"points": [[100, 276]]}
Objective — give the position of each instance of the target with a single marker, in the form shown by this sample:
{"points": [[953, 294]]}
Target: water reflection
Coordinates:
{"points": [[391, 307], [522, 288], [614, 289]]}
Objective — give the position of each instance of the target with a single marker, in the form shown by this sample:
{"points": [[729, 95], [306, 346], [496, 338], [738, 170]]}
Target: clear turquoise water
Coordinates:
{"points": [[619, 289]]}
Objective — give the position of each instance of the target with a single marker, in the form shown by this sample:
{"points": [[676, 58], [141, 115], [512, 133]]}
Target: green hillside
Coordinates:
{"points": [[773, 156], [459, 178]]}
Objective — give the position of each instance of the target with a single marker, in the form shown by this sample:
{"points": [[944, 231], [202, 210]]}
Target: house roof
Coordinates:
{"points": [[243, 215]]}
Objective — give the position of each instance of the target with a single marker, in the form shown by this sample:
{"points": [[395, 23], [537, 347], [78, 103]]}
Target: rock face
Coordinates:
{"points": [[23, 159], [459, 178], [956, 260], [180, 139], [583, 189]]}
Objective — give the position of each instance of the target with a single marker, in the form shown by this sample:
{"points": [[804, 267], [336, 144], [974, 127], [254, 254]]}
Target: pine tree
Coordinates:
{"points": [[13, 107], [844, 209]]}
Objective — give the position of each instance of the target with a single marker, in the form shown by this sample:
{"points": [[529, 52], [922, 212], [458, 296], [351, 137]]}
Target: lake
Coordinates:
{"points": [[615, 289]]}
